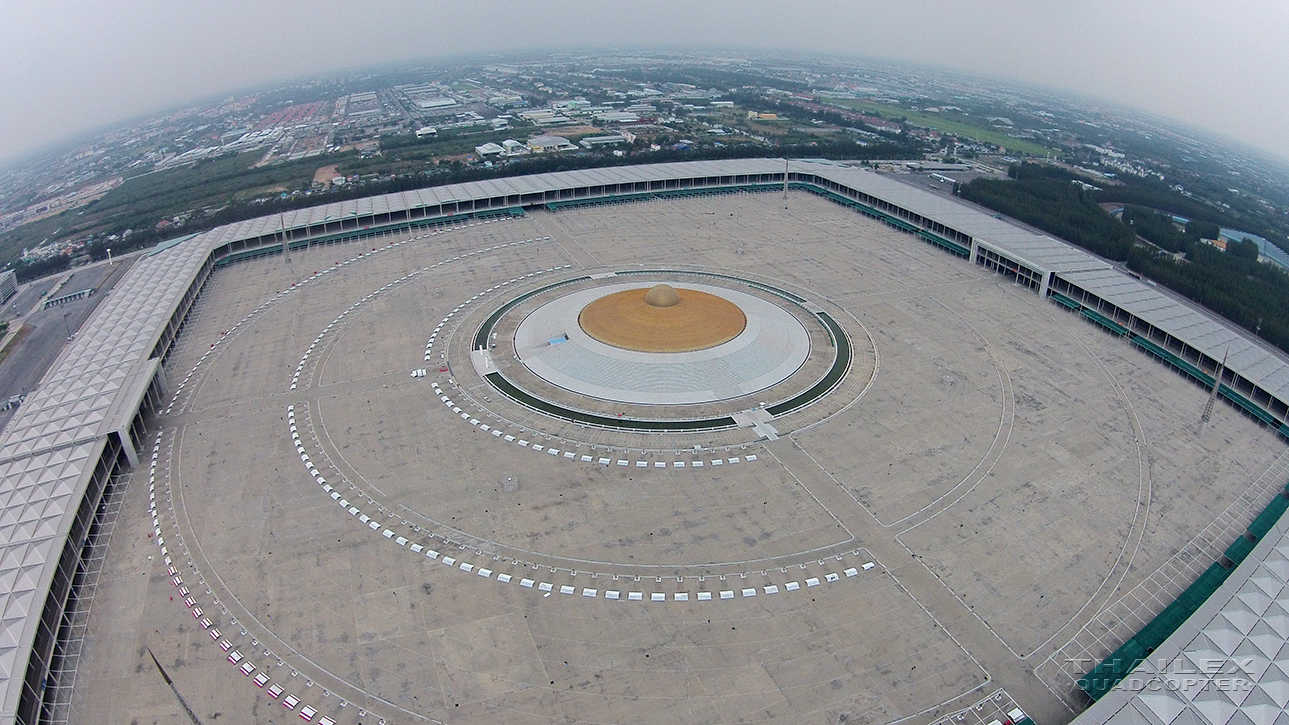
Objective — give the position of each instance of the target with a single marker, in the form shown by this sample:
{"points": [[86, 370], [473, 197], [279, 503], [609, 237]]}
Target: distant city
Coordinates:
{"points": [[248, 154]]}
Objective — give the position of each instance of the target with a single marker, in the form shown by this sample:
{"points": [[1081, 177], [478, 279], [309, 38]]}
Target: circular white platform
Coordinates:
{"points": [[551, 344]]}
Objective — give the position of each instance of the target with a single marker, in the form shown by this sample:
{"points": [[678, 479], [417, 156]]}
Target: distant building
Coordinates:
{"points": [[545, 117], [549, 144], [362, 104], [8, 285], [507, 100], [537, 114], [512, 147], [426, 104], [935, 166], [427, 132], [489, 149], [617, 117], [610, 140]]}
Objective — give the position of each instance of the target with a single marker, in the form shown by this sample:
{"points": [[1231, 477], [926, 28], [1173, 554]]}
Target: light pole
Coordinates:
{"points": [[67, 327]]}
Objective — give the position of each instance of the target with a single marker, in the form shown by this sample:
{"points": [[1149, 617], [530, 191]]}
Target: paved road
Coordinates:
{"points": [[31, 357], [21, 303]]}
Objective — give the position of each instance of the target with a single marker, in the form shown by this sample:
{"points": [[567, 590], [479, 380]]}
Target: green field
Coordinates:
{"points": [[956, 124]]}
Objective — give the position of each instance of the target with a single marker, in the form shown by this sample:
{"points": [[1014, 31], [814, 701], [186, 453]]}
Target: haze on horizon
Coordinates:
{"points": [[1221, 67]]}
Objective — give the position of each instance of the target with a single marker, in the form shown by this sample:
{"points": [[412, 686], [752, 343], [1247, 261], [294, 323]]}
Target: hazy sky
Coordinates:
{"points": [[70, 66]]}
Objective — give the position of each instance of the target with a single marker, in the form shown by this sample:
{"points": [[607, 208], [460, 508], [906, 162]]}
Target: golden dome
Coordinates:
{"points": [[662, 319], [662, 295]]}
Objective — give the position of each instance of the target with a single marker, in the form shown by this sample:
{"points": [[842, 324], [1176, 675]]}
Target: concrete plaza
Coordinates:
{"points": [[1010, 470]]}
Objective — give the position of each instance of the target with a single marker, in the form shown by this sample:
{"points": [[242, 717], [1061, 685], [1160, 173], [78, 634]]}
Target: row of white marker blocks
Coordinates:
{"points": [[284, 292], [429, 345], [547, 587], [299, 368], [295, 379], [631, 596], [235, 657], [522, 443], [290, 701]]}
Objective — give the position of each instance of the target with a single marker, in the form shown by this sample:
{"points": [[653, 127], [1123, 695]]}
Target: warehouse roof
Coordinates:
{"points": [[1036, 250], [1215, 338]]}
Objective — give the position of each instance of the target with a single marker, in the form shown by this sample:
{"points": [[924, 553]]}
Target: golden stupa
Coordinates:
{"points": [[662, 319]]}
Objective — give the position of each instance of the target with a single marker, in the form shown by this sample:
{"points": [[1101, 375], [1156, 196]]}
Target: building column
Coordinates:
{"points": [[975, 249], [127, 446], [159, 383], [1047, 283]]}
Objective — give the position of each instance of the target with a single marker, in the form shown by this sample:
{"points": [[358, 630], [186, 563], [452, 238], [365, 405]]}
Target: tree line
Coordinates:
{"points": [[1161, 231], [1232, 283], [1251, 294], [1054, 204]]}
